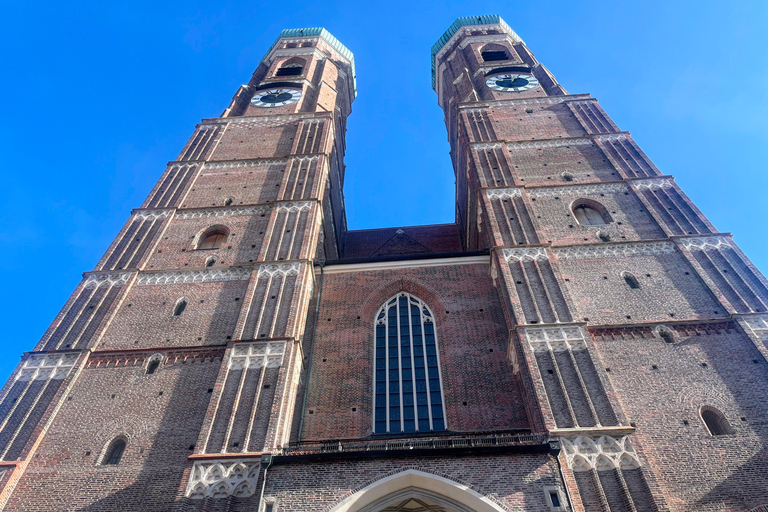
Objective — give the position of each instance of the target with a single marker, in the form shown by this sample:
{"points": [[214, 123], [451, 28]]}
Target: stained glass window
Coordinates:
{"points": [[408, 394]]}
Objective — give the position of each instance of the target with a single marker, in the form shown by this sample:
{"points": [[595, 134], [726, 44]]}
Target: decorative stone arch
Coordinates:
{"points": [[210, 230], [373, 303], [595, 205], [419, 485]]}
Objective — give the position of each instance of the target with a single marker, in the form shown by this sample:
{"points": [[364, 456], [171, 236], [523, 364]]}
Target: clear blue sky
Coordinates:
{"points": [[97, 96]]}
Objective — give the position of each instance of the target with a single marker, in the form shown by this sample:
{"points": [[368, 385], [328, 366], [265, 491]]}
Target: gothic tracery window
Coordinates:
{"points": [[408, 394]]}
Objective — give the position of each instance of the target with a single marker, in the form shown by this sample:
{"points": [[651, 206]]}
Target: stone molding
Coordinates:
{"points": [[611, 137], [487, 145], [614, 250], [298, 206], [222, 479], [194, 276], [571, 190], [582, 102], [556, 339], [151, 214], [236, 211], [279, 269], [705, 243], [526, 254], [257, 354], [503, 193], [653, 184], [758, 324], [557, 143], [110, 279], [265, 119], [243, 163], [47, 366], [603, 453]]}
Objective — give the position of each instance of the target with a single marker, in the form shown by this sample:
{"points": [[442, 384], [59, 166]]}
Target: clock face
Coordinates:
{"points": [[275, 97], [512, 82]]}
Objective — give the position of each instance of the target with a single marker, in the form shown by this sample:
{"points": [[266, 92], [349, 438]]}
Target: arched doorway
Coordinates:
{"points": [[416, 491]]}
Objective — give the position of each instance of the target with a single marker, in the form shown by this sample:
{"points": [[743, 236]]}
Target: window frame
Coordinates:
{"points": [[381, 320], [109, 452]]}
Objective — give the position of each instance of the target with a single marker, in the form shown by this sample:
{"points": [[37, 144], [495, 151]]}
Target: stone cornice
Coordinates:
{"points": [[194, 276], [653, 183], [705, 243], [545, 100], [585, 189], [613, 250], [268, 119]]}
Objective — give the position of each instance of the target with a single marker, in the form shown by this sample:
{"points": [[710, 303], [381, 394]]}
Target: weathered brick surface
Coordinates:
{"points": [[66, 473], [510, 326], [707, 366], [480, 391], [146, 317]]}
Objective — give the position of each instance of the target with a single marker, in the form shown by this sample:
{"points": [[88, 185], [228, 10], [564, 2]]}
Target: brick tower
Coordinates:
{"points": [[581, 338]]}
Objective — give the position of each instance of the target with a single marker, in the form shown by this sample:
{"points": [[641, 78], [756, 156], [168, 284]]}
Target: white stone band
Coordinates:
{"points": [[194, 276], [603, 453], [556, 339], [222, 479], [46, 366], [705, 243], [526, 254], [614, 250], [257, 354]]}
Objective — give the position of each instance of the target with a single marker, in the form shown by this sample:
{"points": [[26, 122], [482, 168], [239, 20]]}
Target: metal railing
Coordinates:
{"points": [[431, 443]]}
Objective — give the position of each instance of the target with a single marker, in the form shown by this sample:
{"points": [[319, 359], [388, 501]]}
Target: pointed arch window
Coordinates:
{"points": [[115, 452], [408, 394]]}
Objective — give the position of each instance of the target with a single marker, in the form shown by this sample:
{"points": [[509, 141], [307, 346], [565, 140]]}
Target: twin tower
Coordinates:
{"points": [[580, 339]]}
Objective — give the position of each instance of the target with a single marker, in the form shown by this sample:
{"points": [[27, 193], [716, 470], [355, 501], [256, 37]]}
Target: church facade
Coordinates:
{"points": [[582, 338]]}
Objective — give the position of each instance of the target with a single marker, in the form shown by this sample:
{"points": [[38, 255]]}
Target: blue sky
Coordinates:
{"points": [[98, 96]]}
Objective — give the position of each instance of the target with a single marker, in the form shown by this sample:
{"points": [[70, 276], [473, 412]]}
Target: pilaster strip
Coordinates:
{"points": [[614, 250]]}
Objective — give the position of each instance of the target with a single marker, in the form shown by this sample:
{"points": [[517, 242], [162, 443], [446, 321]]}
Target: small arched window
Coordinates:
{"points": [[590, 213], [210, 261], [631, 280], [180, 306], [212, 239], [114, 452], [228, 201], [493, 55], [153, 365], [408, 393], [715, 421], [567, 176], [603, 236], [289, 71]]}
